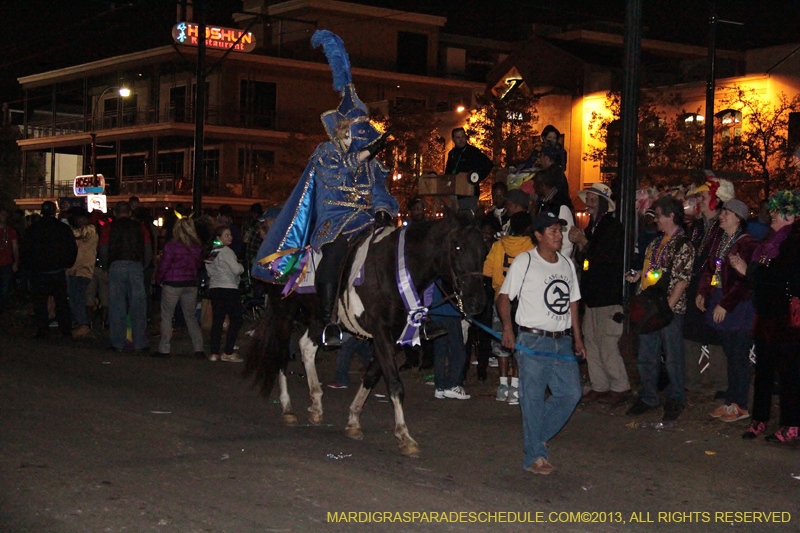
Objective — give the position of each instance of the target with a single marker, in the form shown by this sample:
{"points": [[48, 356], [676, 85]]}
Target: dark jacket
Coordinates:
{"points": [[774, 283], [734, 287], [602, 264], [126, 240], [49, 246], [469, 159], [179, 265]]}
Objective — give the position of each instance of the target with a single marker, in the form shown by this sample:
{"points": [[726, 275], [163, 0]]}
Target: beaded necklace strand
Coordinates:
{"points": [[726, 242]]}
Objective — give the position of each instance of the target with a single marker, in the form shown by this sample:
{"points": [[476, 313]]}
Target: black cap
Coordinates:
{"points": [[545, 219]]}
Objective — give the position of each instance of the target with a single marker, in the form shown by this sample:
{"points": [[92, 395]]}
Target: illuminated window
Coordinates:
{"points": [[688, 120], [730, 122]]}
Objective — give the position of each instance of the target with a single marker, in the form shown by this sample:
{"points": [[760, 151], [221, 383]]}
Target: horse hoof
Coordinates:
{"points": [[290, 419], [353, 432], [410, 450], [315, 418]]}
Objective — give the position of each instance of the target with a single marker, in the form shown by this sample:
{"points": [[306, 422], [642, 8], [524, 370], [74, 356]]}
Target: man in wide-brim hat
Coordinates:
{"points": [[600, 256]]}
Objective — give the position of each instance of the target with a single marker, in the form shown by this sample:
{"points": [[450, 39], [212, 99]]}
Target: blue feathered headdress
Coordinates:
{"points": [[333, 46], [351, 107]]}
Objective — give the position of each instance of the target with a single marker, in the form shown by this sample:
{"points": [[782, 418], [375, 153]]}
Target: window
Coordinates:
{"points": [[177, 104], [171, 163], [257, 104], [691, 120], [194, 101], [133, 165], [794, 130], [255, 166], [412, 53], [730, 121]]}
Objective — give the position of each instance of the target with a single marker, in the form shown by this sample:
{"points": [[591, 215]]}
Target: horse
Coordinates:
{"points": [[450, 251]]}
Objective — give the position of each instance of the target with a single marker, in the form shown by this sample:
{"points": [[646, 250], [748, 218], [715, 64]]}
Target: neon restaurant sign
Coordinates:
{"points": [[225, 38]]}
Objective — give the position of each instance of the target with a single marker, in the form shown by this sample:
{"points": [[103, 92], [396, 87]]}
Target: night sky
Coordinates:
{"points": [[41, 35]]}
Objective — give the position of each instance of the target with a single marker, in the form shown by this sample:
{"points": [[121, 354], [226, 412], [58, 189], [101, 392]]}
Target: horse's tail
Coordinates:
{"points": [[264, 357]]}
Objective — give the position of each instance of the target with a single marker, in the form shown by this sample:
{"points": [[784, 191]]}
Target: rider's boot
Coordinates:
{"points": [[432, 330], [331, 333]]}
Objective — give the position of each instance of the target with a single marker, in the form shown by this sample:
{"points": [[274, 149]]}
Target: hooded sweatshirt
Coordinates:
{"points": [[223, 269], [501, 256]]}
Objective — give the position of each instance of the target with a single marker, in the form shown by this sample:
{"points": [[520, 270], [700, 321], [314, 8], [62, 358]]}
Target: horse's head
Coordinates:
{"points": [[466, 253]]}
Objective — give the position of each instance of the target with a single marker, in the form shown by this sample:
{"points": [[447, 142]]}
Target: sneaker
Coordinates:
{"points": [[336, 385], [213, 357], [81, 332], [785, 434], [720, 411], [735, 413], [755, 429], [502, 393], [493, 362], [541, 466], [457, 393], [513, 396], [231, 358], [639, 408], [439, 394], [53, 324], [672, 410]]}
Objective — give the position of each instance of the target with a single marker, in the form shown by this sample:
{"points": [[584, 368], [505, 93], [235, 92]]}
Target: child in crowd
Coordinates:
{"points": [[224, 271]]}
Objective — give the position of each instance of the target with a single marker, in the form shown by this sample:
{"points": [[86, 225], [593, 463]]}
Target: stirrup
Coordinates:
{"points": [[332, 337], [432, 330]]}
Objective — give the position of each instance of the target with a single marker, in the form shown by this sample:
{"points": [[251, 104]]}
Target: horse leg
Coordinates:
{"points": [[384, 352], [371, 378], [289, 418], [308, 350]]}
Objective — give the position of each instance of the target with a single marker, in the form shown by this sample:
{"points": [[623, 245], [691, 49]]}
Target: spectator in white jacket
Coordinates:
{"points": [[224, 271]]}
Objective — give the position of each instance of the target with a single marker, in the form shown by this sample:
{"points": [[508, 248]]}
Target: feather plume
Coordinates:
{"points": [[333, 46]]}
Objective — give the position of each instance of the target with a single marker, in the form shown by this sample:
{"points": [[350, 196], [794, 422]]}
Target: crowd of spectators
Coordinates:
{"points": [[88, 272], [556, 287]]}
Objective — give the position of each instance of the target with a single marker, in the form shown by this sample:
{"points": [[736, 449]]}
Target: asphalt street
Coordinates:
{"points": [[93, 441]]}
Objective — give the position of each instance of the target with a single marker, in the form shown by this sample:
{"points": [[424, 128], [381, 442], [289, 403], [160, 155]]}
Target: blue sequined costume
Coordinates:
{"points": [[336, 195]]}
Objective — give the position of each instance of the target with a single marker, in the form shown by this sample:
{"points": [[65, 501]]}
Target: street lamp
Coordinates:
{"points": [[124, 92]]}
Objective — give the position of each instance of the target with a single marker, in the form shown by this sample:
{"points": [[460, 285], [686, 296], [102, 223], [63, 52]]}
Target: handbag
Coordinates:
{"points": [[740, 319], [649, 310]]}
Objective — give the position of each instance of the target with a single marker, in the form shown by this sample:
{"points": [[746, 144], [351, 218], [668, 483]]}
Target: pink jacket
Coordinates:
{"points": [[179, 264]]}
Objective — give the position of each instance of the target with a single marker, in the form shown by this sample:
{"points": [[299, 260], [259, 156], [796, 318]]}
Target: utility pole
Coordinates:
{"points": [[199, 109], [708, 146], [629, 116]]}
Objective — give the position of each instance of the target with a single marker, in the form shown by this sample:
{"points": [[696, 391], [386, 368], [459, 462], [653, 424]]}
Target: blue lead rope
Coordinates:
{"points": [[522, 348]]}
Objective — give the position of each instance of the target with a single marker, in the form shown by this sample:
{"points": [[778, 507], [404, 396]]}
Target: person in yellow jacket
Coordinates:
{"points": [[81, 273], [495, 267]]}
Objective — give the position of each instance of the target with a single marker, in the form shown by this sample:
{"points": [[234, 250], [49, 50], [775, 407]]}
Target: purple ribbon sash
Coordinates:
{"points": [[417, 312]]}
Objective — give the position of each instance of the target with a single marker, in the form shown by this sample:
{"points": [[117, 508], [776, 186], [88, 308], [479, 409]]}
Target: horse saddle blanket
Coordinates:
{"points": [[307, 285]]}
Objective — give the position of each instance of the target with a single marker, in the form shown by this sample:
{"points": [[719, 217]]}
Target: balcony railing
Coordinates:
{"points": [[215, 116], [140, 186]]}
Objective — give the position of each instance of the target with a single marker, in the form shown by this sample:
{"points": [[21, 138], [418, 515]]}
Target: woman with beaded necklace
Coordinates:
{"points": [[774, 275], [724, 296]]}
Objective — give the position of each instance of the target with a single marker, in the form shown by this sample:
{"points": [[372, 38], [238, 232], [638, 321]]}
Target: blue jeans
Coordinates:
{"points": [[452, 348], [345, 355], [126, 296], [669, 341], [736, 345], [543, 419], [76, 285]]}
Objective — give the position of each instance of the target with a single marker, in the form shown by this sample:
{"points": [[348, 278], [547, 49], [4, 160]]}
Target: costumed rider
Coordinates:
{"points": [[342, 192]]}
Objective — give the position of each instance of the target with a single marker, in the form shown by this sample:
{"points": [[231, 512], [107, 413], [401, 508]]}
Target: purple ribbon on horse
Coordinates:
{"points": [[417, 311]]}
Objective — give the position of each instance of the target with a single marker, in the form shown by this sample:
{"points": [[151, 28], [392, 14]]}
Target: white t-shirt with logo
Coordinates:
{"points": [[547, 292]]}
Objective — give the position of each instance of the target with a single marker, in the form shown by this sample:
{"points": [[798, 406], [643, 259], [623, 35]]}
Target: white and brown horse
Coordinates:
{"points": [[449, 250]]}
